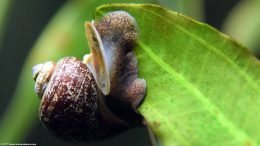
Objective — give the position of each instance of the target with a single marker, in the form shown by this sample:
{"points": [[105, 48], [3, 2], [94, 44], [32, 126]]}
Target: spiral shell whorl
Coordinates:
{"points": [[69, 105]]}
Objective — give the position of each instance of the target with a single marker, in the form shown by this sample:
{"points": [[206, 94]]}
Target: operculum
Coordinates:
{"points": [[97, 60]]}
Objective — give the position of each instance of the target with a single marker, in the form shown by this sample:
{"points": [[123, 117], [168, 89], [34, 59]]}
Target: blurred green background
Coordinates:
{"points": [[22, 22]]}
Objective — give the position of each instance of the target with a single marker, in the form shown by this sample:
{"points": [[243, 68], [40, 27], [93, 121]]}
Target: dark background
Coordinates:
{"points": [[26, 20]]}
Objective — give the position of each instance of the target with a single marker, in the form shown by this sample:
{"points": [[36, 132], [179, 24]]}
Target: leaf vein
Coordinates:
{"points": [[238, 134]]}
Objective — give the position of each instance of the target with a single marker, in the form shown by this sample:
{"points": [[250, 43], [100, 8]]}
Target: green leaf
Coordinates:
{"points": [[202, 87]]}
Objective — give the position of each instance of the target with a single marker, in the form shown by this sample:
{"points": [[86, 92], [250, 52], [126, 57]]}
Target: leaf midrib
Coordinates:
{"points": [[237, 132], [197, 93]]}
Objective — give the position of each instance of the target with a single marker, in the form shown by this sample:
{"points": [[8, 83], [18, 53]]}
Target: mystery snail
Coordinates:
{"points": [[96, 98]]}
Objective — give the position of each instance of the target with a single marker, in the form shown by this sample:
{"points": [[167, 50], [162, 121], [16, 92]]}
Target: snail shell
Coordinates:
{"points": [[96, 98], [72, 105], [69, 104]]}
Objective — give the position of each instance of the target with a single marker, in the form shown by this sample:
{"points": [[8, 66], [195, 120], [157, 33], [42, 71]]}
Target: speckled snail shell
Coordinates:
{"points": [[96, 98]]}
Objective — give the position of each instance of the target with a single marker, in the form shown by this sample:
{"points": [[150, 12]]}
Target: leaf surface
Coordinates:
{"points": [[202, 87]]}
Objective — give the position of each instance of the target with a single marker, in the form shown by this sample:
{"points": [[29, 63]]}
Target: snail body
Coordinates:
{"points": [[115, 36], [117, 31], [82, 100]]}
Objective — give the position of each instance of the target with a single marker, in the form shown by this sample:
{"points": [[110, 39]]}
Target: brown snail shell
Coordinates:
{"points": [[96, 98], [72, 106], [69, 95]]}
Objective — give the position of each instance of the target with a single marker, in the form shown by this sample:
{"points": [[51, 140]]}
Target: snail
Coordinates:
{"points": [[96, 98]]}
